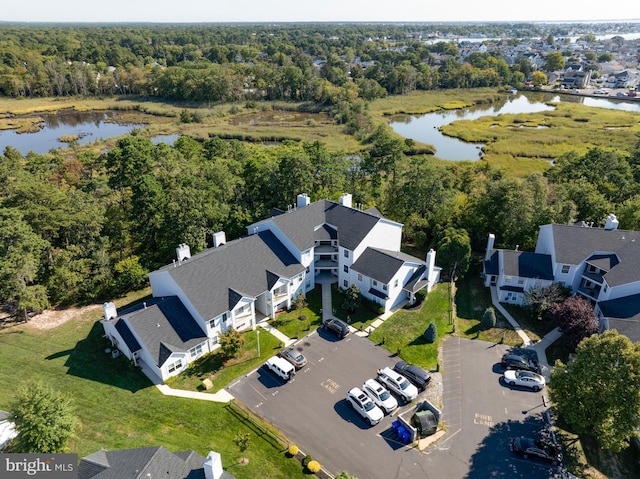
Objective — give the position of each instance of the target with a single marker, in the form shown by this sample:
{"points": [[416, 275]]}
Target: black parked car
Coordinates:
{"points": [[413, 373], [338, 327], [536, 449], [519, 361]]}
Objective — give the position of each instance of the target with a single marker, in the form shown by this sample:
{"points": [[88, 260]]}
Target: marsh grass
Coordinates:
{"points": [[525, 143]]}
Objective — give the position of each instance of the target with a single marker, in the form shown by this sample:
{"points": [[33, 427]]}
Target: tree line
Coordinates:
{"points": [[242, 62], [89, 226]]}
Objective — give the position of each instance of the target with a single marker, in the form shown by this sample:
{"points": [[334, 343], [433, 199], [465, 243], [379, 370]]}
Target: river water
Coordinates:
{"points": [[426, 128]]}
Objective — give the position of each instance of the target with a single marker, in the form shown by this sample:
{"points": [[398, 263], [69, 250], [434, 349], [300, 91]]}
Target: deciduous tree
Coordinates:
{"points": [[231, 342], [575, 318], [44, 419], [598, 393]]}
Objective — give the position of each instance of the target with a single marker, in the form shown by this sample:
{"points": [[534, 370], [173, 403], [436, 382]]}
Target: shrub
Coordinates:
{"points": [[431, 333], [302, 317], [313, 466], [293, 450], [489, 318], [307, 459]]}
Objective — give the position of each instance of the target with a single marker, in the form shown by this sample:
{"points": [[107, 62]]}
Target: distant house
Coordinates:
{"points": [[575, 79], [600, 264], [150, 463], [237, 284]]}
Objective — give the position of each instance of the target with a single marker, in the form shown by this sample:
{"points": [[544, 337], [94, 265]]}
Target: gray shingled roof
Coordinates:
{"points": [[299, 224], [325, 233], [142, 463], [623, 315], [382, 265], [416, 282], [127, 335], [603, 261], [217, 278], [165, 327], [573, 244], [527, 265], [491, 265]]}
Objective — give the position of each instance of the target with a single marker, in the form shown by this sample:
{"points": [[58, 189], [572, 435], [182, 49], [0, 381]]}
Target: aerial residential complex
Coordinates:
{"points": [[240, 283], [600, 264]]}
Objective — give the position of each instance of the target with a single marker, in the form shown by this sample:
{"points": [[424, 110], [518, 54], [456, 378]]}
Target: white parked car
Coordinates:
{"points": [[398, 384], [525, 379], [379, 395], [364, 406]]}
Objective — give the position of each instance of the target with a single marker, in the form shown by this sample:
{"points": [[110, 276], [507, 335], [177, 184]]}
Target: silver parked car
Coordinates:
{"points": [[526, 379]]}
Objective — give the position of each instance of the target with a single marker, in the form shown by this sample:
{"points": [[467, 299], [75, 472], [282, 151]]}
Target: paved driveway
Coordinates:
{"points": [[480, 413]]}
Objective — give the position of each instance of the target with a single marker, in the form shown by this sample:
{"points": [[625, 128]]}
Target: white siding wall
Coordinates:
{"points": [[245, 319], [622, 290], [164, 370], [342, 262]]}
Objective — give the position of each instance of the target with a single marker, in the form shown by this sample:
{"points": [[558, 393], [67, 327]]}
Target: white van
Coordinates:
{"points": [[281, 367]]}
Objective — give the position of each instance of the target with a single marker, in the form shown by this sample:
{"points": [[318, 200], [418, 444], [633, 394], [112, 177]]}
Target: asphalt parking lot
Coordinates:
{"points": [[481, 414]]}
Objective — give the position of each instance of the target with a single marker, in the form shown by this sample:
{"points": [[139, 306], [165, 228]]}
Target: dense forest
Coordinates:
{"points": [[88, 227], [78, 226]]}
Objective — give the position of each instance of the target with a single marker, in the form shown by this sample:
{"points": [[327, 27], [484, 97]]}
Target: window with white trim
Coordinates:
{"points": [[346, 253], [345, 283], [384, 287], [374, 282], [520, 281], [565, 268], [359, 277], [395, 283], [195, 351], [346, 268], [174, 366]]}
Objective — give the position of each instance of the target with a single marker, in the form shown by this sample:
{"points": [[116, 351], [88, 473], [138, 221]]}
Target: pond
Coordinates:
{"points": [[86, 126], [426, 128]]}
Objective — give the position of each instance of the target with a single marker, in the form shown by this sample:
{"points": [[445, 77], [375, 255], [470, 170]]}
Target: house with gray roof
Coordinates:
{"points": [[600, 264], [237, 284], [151, 462]]}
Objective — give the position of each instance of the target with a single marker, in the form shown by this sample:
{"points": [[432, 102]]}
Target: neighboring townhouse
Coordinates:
{"points": [[151, 462], [238, 284], [600, 264]]}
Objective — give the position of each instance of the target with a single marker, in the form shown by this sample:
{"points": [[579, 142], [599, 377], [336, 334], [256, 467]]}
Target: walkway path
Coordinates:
{"points": [[505, 313], [220, 396], [539, 347]]}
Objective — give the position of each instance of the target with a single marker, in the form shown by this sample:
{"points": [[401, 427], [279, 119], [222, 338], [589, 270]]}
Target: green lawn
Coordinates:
{"points": [[118, 408], [289, 322], [472, 298], [220, 370], [405, 329], [361, 318]]}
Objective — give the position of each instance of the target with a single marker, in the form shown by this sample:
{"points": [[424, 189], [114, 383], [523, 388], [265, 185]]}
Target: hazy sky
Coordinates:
{"points": [[314, 10]]}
